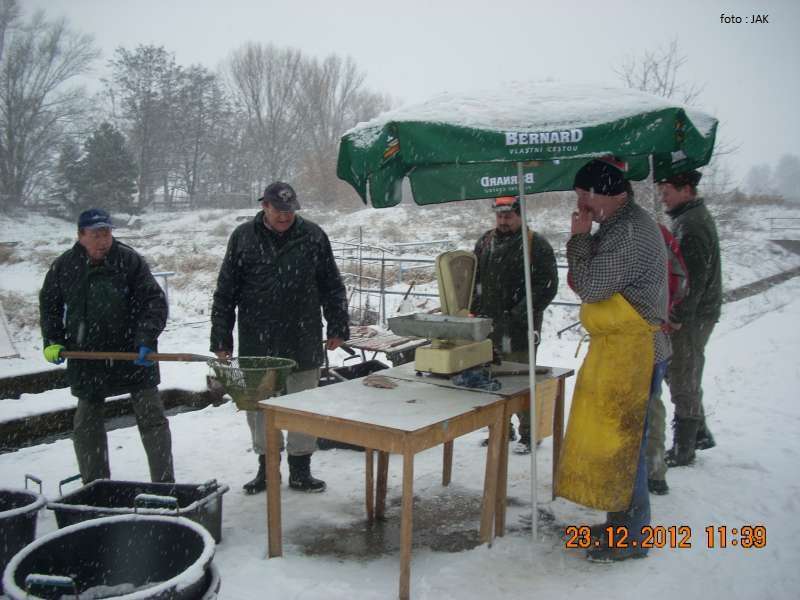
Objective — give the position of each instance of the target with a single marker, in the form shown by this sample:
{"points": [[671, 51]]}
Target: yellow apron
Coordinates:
{"points": [[601, 447]]}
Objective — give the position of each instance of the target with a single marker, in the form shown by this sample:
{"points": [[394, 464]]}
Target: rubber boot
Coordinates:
{"points": [[258, 483], [658, 487], [512, 435], [300, 478], [685, 436], [704, 439]]}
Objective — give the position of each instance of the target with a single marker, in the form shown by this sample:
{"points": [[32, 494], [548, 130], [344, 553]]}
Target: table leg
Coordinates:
{"points": [[502, 476], [406, 525], [558, 430], [383, 476], [274, 534], [490, 478], [447, 463], [370, 489]]}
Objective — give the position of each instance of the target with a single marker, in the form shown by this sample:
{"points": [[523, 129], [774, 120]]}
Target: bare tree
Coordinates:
{"points": [[760, 181], [143, 91], [264, 80], [9, 12], [658, 72], [199, 116], [787, 174], [38, 59], [332, 100]]}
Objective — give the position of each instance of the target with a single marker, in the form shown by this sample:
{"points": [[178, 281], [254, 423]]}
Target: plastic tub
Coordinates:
{"points": [[202, 503], [127, 557], [19, 510]]}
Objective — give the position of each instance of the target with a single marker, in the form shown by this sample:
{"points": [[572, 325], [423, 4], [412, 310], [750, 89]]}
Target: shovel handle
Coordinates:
{"points": [[154, 356]]}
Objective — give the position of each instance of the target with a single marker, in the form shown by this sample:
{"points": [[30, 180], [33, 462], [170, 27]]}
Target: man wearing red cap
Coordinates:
{"points": [[500, 290]]}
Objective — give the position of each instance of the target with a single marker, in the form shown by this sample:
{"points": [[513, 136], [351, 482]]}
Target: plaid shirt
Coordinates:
{"points": [[625, 255]]}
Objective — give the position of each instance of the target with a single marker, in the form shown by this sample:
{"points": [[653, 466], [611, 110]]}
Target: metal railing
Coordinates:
{"points": [[368, 271], [783, 223]]}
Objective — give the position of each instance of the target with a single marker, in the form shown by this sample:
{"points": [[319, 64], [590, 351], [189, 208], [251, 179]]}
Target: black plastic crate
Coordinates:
{"points": [[202, 503], [361, 369]]}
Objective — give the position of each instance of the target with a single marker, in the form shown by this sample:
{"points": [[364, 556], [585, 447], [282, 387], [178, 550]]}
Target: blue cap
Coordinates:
{"points": [[94, 218]]}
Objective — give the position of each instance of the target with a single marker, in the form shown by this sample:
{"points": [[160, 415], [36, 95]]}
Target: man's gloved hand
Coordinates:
{"points": [[52, 353], [142, 361]]}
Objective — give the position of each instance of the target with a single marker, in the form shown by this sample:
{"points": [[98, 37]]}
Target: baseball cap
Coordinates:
{"points": [[94, 218], [691, 178], [505, 204], [281, 196]]}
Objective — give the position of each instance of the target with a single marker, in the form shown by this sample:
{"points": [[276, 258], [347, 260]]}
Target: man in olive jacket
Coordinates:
{"points": [[278, 271], [500, 290], [692, 320], [101, 296]]}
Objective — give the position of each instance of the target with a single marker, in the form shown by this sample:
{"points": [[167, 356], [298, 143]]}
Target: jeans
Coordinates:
{"points": [[638, 514]]}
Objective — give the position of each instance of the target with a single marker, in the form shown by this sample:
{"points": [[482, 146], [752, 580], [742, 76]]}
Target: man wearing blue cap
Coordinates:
{"points": [[101, 296]]}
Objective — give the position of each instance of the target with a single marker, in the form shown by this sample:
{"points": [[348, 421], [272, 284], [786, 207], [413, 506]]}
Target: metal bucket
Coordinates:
{"points": [[19, 510], [122, 557]]}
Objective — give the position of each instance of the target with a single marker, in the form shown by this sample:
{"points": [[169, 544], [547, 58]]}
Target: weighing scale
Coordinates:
{"points": [[458, 342]]}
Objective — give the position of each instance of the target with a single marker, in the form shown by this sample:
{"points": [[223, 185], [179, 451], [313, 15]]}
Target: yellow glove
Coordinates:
{"points": [[53, 354]]}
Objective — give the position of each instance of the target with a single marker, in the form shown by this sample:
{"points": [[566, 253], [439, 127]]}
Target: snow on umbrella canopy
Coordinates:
{"points": [[461, 147]]}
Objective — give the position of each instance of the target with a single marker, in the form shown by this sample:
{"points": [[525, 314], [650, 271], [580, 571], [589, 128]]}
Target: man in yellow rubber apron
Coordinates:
{"points": [[620, 274]]}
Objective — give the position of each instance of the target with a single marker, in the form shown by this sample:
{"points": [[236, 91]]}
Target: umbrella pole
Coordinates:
{"points": [[526, 251]]}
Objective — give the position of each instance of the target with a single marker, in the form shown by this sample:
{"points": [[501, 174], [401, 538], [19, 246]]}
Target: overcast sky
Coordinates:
{"points": [[412, 49]]}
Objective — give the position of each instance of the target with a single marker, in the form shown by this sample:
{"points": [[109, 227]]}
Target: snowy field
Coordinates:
{"points": [[751, 384]]}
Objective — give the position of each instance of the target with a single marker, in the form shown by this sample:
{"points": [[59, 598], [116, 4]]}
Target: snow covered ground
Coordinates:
{"points": [[751, 384]]}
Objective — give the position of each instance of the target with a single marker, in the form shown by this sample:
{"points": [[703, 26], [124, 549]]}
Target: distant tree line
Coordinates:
{"points": [[780, 180], [163, 131]]}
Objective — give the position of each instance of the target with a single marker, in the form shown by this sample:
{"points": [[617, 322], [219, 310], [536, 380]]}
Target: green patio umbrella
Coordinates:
{"points": [[522, 139], [466, 147]]}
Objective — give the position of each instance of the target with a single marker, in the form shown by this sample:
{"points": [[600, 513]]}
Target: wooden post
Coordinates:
{"points": [[380, 493], [447, 463], [370, 485], [406, 525], [558, 430], [502, 475], [274, 533], [490, 477]]}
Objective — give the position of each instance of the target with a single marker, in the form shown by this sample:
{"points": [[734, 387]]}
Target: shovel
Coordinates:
{"points": [[154, 356]]}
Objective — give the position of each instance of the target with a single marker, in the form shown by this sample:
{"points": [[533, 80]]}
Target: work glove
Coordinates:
{"points": [[142, 361], [52, 353]]}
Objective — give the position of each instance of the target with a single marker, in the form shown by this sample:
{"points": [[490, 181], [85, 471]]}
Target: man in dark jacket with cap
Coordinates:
{"points": [[500, 290], [278, 271], [101, 296], [692, 321]]}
